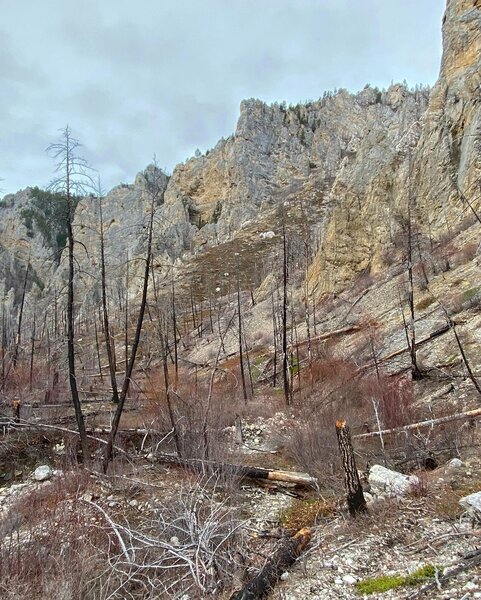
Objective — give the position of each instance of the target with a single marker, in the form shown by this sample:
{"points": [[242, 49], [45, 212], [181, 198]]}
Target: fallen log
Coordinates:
{"points": [[334, 333], [262, 584], [470, 414], [431, 336], [239, 471]]}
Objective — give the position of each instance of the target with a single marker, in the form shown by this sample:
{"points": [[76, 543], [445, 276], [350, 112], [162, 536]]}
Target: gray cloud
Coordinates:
{"points": [[133, 79]]}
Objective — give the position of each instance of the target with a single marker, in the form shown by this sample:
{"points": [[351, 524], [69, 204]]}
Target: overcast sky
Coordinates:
{"points": [[138, 77]]}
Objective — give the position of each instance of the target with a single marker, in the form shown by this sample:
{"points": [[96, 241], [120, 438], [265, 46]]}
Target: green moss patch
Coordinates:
{"points": [[383, 583]]}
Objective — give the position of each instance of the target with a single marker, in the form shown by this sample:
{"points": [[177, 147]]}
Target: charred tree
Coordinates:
{"points": [[20, 318], [285, 357], [241, 354], [73, 178], [415, 371], [355, 497]]}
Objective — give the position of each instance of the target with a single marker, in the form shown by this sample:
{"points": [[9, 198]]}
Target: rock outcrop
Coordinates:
{"points": [[345, 164]]}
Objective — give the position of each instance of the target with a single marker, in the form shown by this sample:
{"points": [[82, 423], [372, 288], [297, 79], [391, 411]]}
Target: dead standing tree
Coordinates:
{"points": [[72, 180], [285, 278]]}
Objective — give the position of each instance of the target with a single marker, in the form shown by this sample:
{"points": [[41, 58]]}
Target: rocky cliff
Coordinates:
{"points": [[346, 161]]}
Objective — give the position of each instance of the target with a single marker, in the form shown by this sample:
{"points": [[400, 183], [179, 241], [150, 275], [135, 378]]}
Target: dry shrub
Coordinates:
{"points": [[56, 543], [394, 398], [420, 486], [338, 391], [49, 545], [199, 412], [333, 390], [425, 302], [466, 254], [312, 444], [189, 545], [470, 298]]}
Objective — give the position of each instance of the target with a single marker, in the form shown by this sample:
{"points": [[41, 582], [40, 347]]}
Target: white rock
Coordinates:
{"points": [[455, 463], [174, 540], [285, 576], [368, 497], [267, 235], [349, 579], [382, 480], [472, 504], [470, 586], [42, 473]]}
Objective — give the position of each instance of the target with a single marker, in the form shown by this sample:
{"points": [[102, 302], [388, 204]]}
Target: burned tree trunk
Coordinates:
{"points": [[355, 497], [20, 315], [262, 584]]}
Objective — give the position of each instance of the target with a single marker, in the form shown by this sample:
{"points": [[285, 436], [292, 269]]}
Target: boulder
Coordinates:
{"points": [[43, 473], [383, 480], [472, 505], [455, 463]]}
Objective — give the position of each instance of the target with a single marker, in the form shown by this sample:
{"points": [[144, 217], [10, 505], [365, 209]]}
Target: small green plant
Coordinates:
{"points": [[383, 583]]}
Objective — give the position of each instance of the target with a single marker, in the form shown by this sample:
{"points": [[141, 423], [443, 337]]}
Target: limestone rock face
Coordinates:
{"points": [[345, 164], [436, 157], [125, 212], [21, 242], [448, 157], [277, 152]]}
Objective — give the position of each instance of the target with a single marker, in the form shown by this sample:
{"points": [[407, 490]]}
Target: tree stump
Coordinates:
{"points": [[355, 497]]}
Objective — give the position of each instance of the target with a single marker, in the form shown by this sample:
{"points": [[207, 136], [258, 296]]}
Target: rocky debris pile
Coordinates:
{"points": [[11, 494], [262, 434]]}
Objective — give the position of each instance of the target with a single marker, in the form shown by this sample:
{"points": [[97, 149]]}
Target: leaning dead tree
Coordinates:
{"points": [[428, 423], [262, 584], [355, 497]]}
